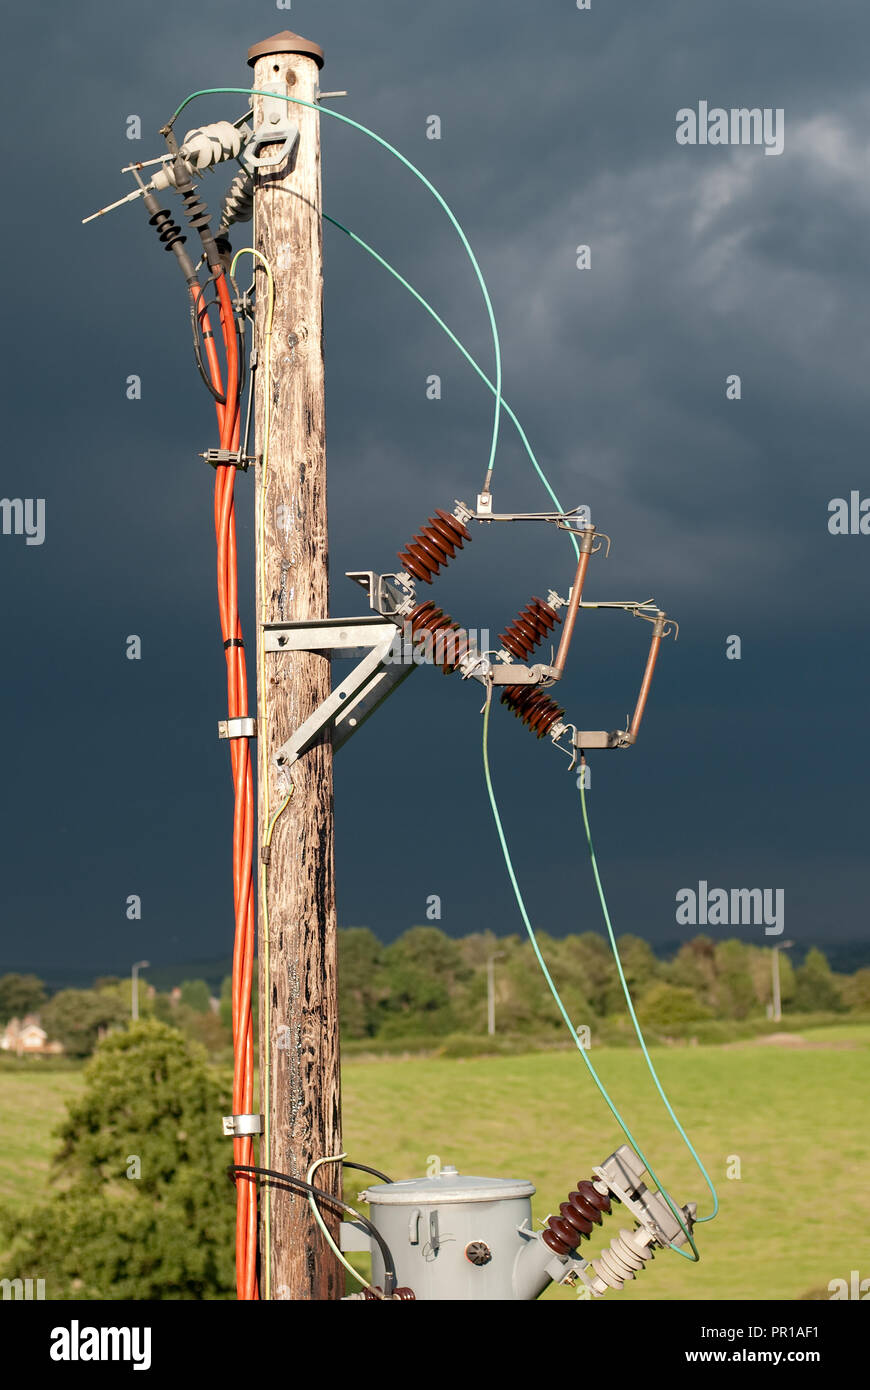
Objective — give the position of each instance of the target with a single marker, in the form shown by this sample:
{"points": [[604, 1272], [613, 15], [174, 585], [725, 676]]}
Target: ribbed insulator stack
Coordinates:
{"points": [[529, 628], [400, 1295], [530, 704], [195, 210], [167, 230], [583, 1209], [211, 144], [625, 1257], [450, 642], [436, 544], [238, 203], [202, 148]]}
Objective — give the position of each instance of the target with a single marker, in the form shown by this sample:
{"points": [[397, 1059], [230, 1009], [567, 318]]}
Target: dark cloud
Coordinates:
{"points": [[558, 129]]}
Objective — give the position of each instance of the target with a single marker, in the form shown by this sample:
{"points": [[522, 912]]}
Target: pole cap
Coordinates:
{"points": [[286, 42]]}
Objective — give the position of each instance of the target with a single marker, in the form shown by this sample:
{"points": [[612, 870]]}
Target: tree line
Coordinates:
{"points": [[427, 984]]}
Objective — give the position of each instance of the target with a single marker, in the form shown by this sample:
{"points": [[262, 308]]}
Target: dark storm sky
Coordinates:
{"points": [[558, 129]]}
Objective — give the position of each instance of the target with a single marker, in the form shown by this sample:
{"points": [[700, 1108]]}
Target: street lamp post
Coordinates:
{"points": [[777, 996], [490, 991], [140, 965]]}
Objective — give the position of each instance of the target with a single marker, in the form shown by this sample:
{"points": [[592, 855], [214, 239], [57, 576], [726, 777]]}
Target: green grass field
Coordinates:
{"points": [[32, 1103], [796, 1117]]}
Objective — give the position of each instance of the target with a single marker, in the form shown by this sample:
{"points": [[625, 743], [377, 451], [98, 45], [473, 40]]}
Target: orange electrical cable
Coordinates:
{"points": [[244, 822]]}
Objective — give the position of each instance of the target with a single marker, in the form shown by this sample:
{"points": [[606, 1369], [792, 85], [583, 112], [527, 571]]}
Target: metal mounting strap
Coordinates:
{"points": [[242, 461], [240, 1126], [276, 125], [245, 726], [344, 636]]}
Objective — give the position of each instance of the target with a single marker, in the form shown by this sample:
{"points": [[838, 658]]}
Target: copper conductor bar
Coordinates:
{"points": [[557, 670], [652, 658]]}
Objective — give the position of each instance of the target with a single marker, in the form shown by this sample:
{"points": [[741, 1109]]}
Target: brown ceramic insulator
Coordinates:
{"points": [[532, 706], [436, 544], [529, 628], [561, 1237], [401, 1295], [589, 1193], [450, 641], [583, 1209]]}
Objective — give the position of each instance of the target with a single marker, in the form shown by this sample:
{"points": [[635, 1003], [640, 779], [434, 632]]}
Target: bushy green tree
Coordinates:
{"points": [[196, 995], [361, 983], [733, 991], [694, 968], [641, 970], [856, 991], [586, 963], [816, 989], [580, 972], [425, 975], [78, 1017], [667, 1006], [20, 995], [145, 1210]]}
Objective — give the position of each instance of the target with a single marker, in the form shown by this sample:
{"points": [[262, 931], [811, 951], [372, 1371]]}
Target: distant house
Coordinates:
{"points": [[25, 1037]]}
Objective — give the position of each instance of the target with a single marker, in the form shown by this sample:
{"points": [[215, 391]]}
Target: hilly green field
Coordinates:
{"points": [[794, 1113]]}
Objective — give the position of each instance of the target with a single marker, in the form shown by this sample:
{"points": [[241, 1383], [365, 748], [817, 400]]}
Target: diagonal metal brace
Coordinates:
{"points": [[381, 671]]}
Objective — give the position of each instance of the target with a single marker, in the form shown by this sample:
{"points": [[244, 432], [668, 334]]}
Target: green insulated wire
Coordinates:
{"points": [[465, 353], [601, 898], [555, 993], [346, 120]]}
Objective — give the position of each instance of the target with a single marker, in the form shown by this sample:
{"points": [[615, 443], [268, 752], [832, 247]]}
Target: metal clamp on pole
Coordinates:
{"points": [[276, 126], [245, 726], [241, 1126], [217, 457]]}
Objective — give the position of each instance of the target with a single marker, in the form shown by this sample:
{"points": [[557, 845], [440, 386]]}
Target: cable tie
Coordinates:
{"points": [[233, 642]]}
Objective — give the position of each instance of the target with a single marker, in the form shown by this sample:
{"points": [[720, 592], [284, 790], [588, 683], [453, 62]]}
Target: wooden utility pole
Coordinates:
{"points": [[297, 966]]}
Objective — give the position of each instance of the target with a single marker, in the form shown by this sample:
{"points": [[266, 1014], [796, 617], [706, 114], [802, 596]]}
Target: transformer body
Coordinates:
{"points": [[455, 1236]]}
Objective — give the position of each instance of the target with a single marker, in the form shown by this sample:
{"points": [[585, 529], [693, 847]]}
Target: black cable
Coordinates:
{"points": [[239, 320], [197, 352], [318, 1192], [364, 1168], [238, 323]]}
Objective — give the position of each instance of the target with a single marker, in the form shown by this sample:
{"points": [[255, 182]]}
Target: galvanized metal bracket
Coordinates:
{"points": [[386, 594], [244, 726], [344, 636], [382, 670], [239, 1126], [275, 125], [217, 457]]}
